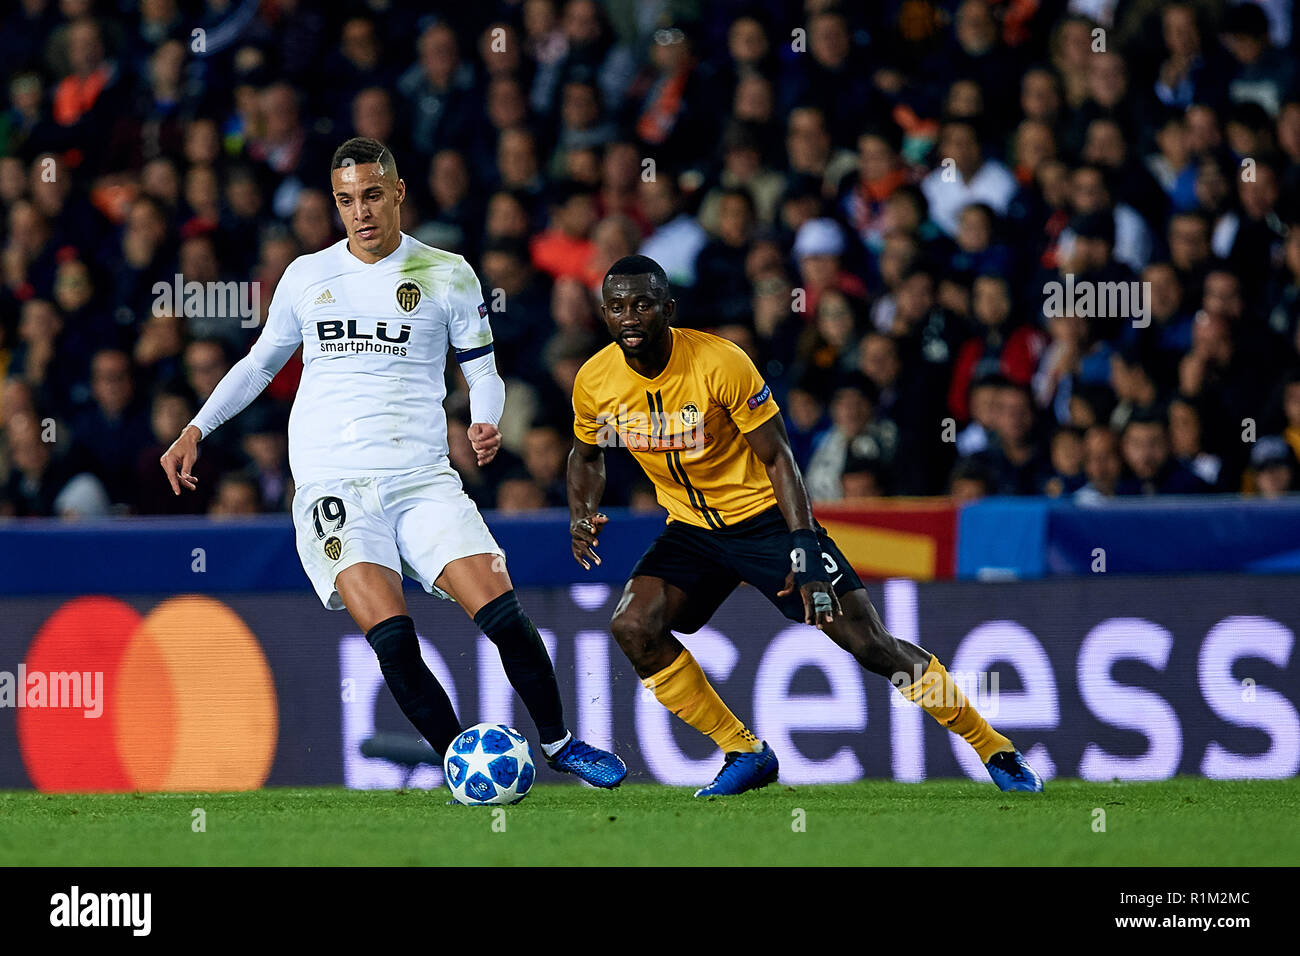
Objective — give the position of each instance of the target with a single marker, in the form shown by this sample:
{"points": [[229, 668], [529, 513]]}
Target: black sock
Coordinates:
{"points": [[413, 685], [527, 665]]}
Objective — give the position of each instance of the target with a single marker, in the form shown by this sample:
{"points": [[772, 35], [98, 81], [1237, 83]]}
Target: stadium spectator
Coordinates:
{"points": [[36, 476], [812, 154], [964, 175], [589, 48], [454, 219], [969, 480], [54, 368], [826, 345], [508, 268], [113, 431], [237, 496], [743, 167], [1014, 455], [863, 477], [854, 431], [932, 182], [1274, 467], [1102, 466], [1013, 348], [676, 238], [565, 248], [1150, 464], [1186, 440], [612, 238], [438, 90], [1133, 387], [818, 250], [264, 442], [170, 412], [805, 414], [978, 432], [1065, 452], [546, 454], [724, 289]]}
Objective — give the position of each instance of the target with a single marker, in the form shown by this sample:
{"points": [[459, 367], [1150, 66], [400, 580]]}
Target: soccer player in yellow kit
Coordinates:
{"points": [[699, 419]]}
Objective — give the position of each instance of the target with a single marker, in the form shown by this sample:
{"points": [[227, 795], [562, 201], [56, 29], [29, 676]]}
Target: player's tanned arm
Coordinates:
{"points": [[586, 480], [771, 443]]}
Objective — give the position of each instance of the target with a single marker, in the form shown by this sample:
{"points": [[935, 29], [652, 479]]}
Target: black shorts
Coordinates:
{"points": [[708, 564]]}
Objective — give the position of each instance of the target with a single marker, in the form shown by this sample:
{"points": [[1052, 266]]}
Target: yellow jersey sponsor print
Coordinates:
{"points": [[685, 427]]}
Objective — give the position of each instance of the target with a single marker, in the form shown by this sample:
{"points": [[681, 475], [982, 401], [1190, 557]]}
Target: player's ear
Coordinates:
{"points": [[670, 308], [401, 190]]}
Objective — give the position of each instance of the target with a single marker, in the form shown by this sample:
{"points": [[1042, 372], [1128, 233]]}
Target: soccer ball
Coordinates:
{"points": [[487, 764]]}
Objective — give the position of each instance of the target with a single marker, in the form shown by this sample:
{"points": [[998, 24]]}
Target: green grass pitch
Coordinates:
{"points": [[1185, 821]]}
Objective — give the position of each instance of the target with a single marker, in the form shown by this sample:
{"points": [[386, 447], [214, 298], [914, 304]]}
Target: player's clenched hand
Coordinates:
{"points": [[585, 531], [178, 461], [486, 440], [812, 613]]}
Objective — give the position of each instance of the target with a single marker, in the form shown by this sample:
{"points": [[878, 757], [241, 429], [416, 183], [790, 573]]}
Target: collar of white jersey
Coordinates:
{"points": [[345, 251]]}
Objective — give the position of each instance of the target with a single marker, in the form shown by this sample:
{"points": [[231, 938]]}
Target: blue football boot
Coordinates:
{"points": [[742, 771], [600, 768], [1010, 771]]}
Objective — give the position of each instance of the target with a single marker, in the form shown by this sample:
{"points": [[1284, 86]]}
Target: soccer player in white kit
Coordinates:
{"points": [[375, 495]]}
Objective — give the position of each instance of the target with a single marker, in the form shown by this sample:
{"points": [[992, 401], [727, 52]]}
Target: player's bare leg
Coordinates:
{"points": [[481, 585], [640, 624], [373, 595], [642, 628], [860, 631], [475, 581], [921, 678]]}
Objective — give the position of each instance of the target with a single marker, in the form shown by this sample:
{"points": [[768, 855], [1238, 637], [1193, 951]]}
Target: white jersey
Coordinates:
{"points": [[374, 340]]}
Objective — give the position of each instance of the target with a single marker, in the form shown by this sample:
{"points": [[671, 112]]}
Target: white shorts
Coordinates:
{"points": [[416, 523]]}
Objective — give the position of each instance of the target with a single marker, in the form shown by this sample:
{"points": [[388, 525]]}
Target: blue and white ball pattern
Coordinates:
{"points": [[489, 764]]}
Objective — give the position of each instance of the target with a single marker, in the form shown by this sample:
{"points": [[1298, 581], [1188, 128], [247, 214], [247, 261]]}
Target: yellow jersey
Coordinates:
{"points": [[685, 427]]}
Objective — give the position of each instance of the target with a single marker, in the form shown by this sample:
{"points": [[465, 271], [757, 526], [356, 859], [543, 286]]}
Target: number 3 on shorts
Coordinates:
{"points": [[332, 510]]}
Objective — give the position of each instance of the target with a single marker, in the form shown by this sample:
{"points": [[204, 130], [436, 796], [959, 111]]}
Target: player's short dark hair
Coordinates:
{"points": [[638, 265], [360, 150]]}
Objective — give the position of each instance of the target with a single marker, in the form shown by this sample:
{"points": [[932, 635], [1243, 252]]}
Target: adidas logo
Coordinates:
{"points": [[324, 298]]}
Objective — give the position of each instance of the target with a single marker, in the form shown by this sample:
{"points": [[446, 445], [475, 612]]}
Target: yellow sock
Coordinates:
{"points": [[939, 696], [684, 690]]}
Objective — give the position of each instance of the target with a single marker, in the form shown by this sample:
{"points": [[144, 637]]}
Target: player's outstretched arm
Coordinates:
{"points": [[586, 480], [771, 444]]}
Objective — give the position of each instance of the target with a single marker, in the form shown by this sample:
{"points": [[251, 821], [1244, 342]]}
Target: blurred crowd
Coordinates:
{"points": [[872, 199]]}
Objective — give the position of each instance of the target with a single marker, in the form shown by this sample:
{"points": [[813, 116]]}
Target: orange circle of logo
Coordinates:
{"points": [[185, 699]]}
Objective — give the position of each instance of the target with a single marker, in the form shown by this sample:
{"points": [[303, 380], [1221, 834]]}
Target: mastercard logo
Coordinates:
{"points": [[188, 700]]}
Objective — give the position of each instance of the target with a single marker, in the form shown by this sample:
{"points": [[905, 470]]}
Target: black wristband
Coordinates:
{"points": [[806, 557]]}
